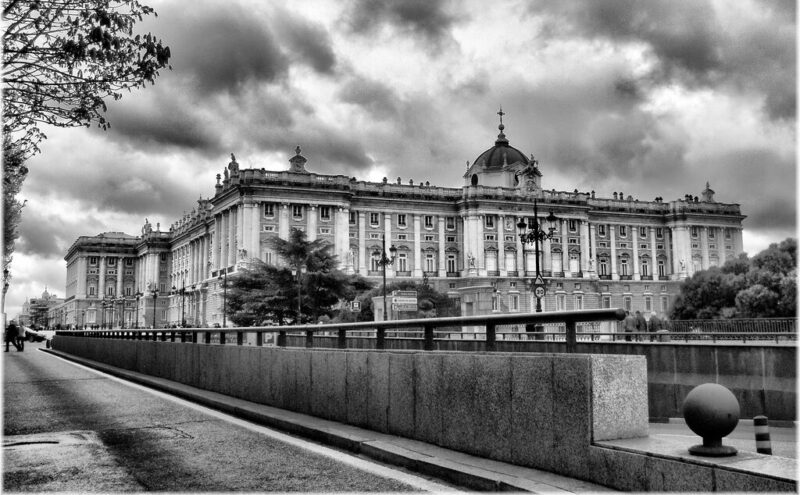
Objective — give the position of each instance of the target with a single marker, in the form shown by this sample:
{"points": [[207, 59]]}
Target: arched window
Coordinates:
{"points": [[474, 179], [574, 262], [511, 261]]}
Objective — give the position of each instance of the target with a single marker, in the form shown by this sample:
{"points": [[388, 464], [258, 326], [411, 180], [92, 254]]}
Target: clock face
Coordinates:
{"points": [[539, 292]]}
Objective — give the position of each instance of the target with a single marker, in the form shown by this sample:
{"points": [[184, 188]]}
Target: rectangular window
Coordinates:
{"points": [[561, 302], [578, 301], [430, 262], [93, 260], [601, 230], [712, 246], [402, 262], [325, 212], [694, 232], [269, 228], [451, 238], [353, 217], [664, 303], [623, 231], [92, 290], [374, 235], [269, 210], [648, 303], [374, 265], [402, 237], [374, 219], [109, 291], [163, 257], [324, 230], [128, 291], [428, 238], [695, 245], [490, 237], [451, 263], [572, 240], [606, 302], [573, 225], [727, 234], [489, 221], [642, 246], [623, 266], [268, 257], [647, 287], [401, 220], [659, 246], [627, 303], [662, 269], [659, 232], [494, 302], [297, 211], [128, 261], [623, 245], [510, 238], [663, 288], [643, 232], [712, 233], [450, 223], [112, 261], [602, 244], [513, 302], [428, 219]]}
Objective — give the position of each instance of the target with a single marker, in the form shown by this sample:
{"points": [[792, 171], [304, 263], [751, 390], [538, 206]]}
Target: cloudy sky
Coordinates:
{"points": [[652, 98]]}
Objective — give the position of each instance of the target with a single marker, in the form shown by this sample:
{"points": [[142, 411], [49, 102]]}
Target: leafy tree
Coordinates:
{"points": [[265, 293], [14, 172], [63, 58], [764, 286]]}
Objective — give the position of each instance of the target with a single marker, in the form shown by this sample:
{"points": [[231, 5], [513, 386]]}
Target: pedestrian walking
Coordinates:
{"points": [[20, 338], [12, 331], [641, 325], [629, 325], [653, 325]]}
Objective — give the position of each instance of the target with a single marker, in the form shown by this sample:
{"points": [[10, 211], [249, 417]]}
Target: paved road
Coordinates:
{"points": [[784, 440], [67, 428]]}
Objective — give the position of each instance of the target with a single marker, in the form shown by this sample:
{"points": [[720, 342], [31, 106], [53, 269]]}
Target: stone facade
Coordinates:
{"points": [[605, 252]]}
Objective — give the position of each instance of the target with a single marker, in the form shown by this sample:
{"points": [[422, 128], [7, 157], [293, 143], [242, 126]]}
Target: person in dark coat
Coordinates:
{"points": [[12, 331], [641, 324], [629, 325]]}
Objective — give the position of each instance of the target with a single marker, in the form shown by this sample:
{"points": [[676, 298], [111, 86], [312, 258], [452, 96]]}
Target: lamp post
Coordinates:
{"points": [[138, 295], [83, 319], [224, 278], [298, 272], [121, 301], [383, 260], [6, 279], [155, 297], [534, 233]]}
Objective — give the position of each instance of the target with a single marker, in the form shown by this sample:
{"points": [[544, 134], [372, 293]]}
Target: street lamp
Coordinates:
{"points": [[137, 295], [299, 271], [155, 297], [534, 233], [182, 292], [224, 278], [383, 260]]}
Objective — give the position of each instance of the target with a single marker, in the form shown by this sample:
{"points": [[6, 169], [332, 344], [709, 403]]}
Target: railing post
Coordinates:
{"points": [[491, 336], [183, 336], [428, 336], [309, 338], [172, 336], [207, 337], [341, 338], [222, 338], [571, 336], [194, 337], [259, 339], [239, 338], [282, 338], [380, 338]]}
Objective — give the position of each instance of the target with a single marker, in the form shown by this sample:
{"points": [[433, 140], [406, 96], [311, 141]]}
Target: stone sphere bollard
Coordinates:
{"points": [[711, 411]]}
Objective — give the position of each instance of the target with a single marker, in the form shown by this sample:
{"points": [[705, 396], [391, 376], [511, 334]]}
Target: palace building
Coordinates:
{"points": [[605, 252]]}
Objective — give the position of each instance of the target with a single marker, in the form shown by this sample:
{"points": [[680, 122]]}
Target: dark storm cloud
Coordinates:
{"points": [[429, 19], [223, 48], [691, 44], [375, 97], [310, 42], [50, 235]]}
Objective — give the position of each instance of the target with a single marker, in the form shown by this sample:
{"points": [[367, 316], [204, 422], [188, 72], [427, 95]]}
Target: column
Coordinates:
{"points": [[635, 241], [612, 239], [593, 247], [585, 248], [668, 249], [653, 254], [705, 262], [680, 238], [215, 254], [387, 231], [255, 239], [222, 236], [467, 248], [547, 256], [417, 246], [239, 231], [721, 245], [442, 261], [232, 236], [244, 225], [480, 253], [101, 285], [501, 247], [120, 273], [341, 233], [738, 242], [311, 222], [521, 268], [362, 243], [283, 221], [564, 248]]}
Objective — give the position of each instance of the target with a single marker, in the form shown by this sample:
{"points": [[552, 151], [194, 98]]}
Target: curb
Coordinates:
{"points": [[374, 445]]}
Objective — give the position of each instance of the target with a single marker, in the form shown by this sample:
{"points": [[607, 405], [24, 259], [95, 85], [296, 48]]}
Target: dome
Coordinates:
{"points": [[500, 154]]}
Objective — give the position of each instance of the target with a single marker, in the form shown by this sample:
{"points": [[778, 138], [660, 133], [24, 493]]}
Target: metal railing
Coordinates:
{"points": [[570, 320]]}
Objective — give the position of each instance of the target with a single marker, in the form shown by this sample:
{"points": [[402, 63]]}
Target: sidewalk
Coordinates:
{"points": [[464, 470]]}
